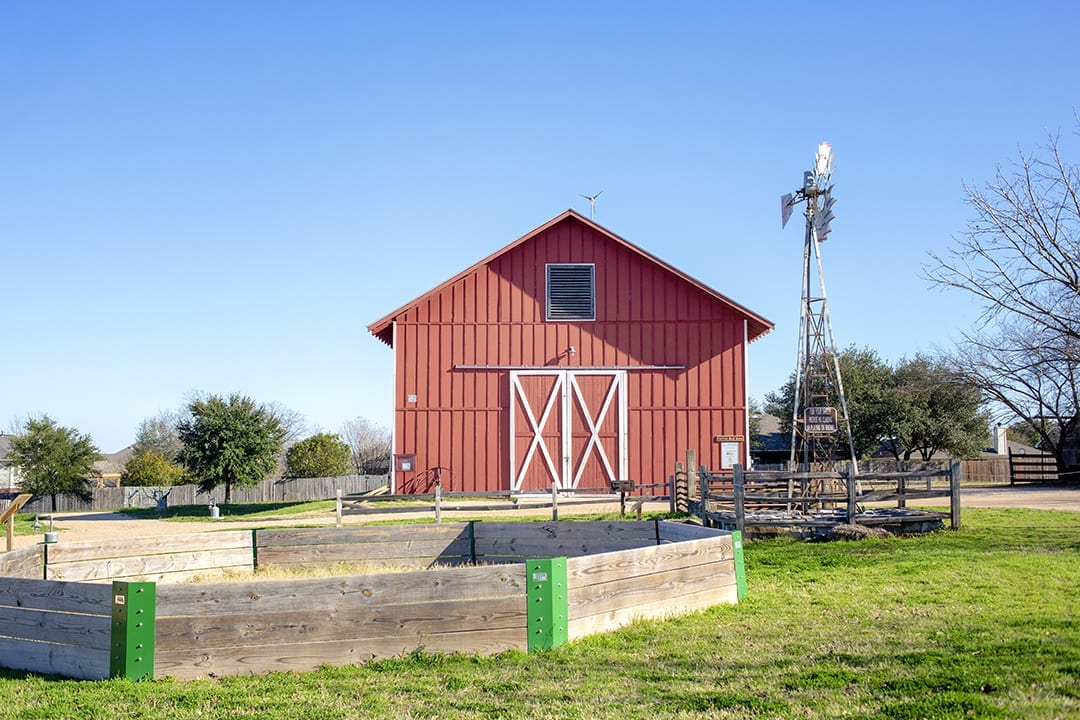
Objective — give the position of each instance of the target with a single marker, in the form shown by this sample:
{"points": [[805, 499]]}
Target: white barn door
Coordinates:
{"points": [[567, 427]]}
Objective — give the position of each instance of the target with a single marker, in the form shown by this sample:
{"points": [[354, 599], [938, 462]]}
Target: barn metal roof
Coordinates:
{"points": [[756, 325]]}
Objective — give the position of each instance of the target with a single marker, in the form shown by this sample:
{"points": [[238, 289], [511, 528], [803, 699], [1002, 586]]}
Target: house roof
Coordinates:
{"points": [[756, 325], [113, 463], [110, 463]]}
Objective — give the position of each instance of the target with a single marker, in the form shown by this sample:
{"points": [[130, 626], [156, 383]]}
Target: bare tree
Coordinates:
{"points": [[1034, 375], [1020, 259], [292, 422], [369, 444], [158, 434]]}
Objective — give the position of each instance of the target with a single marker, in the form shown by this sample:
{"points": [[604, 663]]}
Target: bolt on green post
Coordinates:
{"points": [[548, 603], [131, 642]]}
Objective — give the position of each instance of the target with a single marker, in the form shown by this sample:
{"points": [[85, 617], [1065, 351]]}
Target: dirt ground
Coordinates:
{"points": [[111, 526]]}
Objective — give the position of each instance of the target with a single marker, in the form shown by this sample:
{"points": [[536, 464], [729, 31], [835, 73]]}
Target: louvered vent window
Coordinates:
{"points": [[571, 292]]}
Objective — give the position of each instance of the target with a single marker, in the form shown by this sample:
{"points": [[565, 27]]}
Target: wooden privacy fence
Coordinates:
{"points": [[276, 490], [812, 502], [525, 586]]}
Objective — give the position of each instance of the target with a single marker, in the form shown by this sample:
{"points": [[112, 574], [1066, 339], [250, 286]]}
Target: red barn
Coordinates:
{"points": [[569, 356]]}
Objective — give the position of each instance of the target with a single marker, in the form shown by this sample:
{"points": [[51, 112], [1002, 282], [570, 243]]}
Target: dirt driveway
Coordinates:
{"points": [[114, 526]]}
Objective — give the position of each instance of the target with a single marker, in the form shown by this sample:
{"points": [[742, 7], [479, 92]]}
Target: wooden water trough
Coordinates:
{"points": [[95, 610]]}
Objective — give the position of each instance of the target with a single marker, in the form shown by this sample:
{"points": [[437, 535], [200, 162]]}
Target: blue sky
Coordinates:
{"points": [[221, 196]]}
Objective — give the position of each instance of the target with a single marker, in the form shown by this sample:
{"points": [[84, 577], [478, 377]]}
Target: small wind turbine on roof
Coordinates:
{"points": [[592, 204]]}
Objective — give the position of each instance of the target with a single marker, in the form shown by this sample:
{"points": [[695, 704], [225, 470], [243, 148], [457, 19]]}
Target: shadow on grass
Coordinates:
{"points": [[234, 511]]}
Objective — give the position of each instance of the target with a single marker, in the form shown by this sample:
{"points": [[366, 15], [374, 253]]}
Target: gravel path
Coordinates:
{"points": [[111, 526]]}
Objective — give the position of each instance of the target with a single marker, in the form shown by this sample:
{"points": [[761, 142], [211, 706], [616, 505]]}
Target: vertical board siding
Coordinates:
{"points": [[494, 316]]}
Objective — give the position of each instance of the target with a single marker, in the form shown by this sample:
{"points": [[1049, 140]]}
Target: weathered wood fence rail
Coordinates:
{"points": [[277, 490], [816, 500], [590, 577], [1037, 467]]}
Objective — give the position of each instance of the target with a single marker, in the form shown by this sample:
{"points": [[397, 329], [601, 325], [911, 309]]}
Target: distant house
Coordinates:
{"points": [[111, 466], [771, 446], [10, 477], [572, 358]]}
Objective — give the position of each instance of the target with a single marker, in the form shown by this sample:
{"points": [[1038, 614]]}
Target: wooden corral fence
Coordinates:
{"points": [[441, 500], [276, 490], [527, 586], [978, 471], [810, 503]]}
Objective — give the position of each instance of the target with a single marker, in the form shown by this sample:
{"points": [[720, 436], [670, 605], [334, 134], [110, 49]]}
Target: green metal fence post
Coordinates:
{"points": [[740, 567], [131, 643], [548, 602]]}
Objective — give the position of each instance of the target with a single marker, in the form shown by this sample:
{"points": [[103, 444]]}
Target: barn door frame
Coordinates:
{"points": [[563, 398]]}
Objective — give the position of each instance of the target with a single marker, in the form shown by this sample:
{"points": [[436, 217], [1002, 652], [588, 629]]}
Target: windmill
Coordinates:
{"points": [[592, 204], [820, 426]]}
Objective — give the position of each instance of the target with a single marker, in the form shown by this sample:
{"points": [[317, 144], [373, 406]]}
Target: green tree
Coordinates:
{"points": [[54, 460], [866, 381], [920, 406], [1023, 432], [931, 408], [230, 442], [151, 468], [322, 455], [755, 423]]}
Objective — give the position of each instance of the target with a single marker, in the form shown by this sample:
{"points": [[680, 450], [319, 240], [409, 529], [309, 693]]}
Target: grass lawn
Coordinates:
{"points": [[977, 623], [24, 524]]}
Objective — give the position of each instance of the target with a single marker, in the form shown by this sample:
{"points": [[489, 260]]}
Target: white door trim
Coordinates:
{"points": [[564, 393]]}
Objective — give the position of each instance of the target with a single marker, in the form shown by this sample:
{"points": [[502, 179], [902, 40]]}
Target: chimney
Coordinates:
{"points": [[1001, 442]]}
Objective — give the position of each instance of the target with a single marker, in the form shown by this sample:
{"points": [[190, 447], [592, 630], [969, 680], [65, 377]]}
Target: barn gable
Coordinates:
{"points": [[569, 356], [571, 243]]}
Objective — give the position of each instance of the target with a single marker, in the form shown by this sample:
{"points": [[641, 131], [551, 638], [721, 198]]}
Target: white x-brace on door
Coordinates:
{"points": [[567, 427]]}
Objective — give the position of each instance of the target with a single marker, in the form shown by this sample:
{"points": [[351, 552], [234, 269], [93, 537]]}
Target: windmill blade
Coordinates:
{"points": [[786, 208], [824, 216]]}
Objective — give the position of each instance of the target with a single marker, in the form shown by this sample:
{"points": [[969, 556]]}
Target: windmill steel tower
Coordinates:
{"points": [[820, 427]]}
